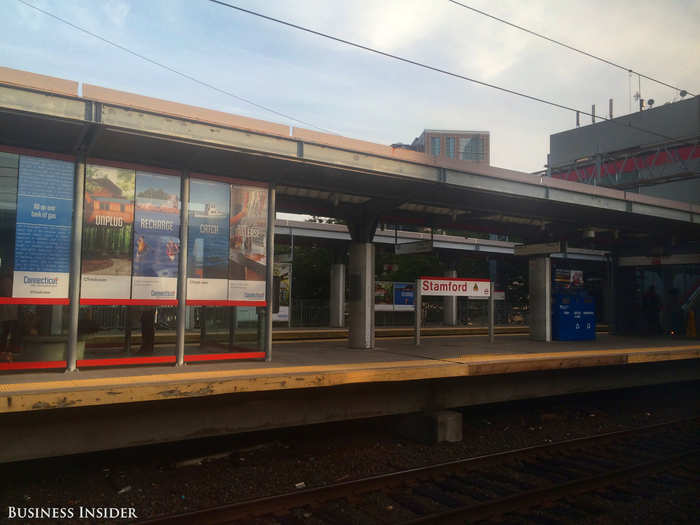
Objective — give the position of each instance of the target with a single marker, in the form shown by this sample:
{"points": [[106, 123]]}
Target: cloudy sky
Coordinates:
{"points": [[361, 95]]}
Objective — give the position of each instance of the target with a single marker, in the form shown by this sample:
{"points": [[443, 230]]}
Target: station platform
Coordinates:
{"points": [[297, 365], [55, 413]]}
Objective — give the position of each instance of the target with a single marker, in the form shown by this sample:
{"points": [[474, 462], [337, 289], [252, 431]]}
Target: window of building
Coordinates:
{"points": [[450, 147], [471, 148], [435, 146]]}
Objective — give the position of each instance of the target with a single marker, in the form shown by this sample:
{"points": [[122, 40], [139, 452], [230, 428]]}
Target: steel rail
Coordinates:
{"points": [[284, 502], [536, 497]]}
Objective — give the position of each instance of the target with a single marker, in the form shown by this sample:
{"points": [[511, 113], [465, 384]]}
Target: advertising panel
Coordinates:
{"points": [[568, 278], [208, 242], [284, 272], [404, 297], [247, 246], [455, 287], [156, 238], [43, 230], [107, 233], [383, 296]]}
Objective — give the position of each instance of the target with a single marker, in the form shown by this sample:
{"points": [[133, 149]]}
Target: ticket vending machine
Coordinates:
{"points": [[573, 309], [573, 316]]}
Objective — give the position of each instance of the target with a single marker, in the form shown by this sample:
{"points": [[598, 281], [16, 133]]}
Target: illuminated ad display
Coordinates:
{"points": [[156, 243], [107, 233], [43, 230], [247, 246], [208, 242]]}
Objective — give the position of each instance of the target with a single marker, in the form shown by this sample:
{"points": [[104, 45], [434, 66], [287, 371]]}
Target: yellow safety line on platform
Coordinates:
{"points": [[578, 353], [205, 375]]}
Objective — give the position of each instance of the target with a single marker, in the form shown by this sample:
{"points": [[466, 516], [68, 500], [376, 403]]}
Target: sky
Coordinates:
{"points": [[361, 95]]}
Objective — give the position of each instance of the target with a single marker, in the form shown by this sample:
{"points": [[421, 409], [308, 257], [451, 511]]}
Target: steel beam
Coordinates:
{"points": [[42, 103]]}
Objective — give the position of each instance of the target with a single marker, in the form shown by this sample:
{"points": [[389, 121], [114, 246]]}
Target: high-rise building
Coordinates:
{"points": [[468, 146]]}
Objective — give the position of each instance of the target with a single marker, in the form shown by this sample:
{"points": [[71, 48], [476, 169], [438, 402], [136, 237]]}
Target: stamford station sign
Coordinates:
{"points": [[454, 286]]}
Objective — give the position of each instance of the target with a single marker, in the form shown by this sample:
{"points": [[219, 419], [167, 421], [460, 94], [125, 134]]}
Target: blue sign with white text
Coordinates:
{"points": [[404, 294], [44, 216]]}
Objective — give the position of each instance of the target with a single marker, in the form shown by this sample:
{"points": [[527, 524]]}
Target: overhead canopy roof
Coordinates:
{"points": [[327, 175]]}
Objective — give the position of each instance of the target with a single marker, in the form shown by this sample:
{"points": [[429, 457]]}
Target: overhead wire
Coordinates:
{"points": [[173, 70], [568, 46], [429, 67]]}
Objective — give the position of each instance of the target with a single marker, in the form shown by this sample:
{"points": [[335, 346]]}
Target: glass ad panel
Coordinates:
{"points": [[107, 234], [9, 172], [125, 335], [208, 240], [283, 272], [247, 253], [43, 232], [10, 326], [156, 238], [36, 210], [224, 332]]}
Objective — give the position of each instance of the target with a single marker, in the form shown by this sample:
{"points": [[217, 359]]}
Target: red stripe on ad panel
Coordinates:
{"points": [[224, 357], [247, 303], [37, 153], [206, 302], [153, 302], [129, 302], [32, 365], [135, 167], [163, 359], [212, 302], [30, 300], [238, 182]]}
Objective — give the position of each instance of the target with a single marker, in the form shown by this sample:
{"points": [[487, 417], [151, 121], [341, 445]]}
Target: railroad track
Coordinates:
{"points": [[569, 480]]}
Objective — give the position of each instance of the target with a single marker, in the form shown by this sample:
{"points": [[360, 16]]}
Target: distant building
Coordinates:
{"points": [[469, 146], [654, 152]]}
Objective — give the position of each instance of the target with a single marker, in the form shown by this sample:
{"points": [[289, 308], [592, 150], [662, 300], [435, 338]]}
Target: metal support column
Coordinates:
{"points": [[269, 274], [540, 298], [361, 297], [75, 260], [609, 295], [337, 295], [492, 312], [419, 312], [182, 270], [449, 317]]}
